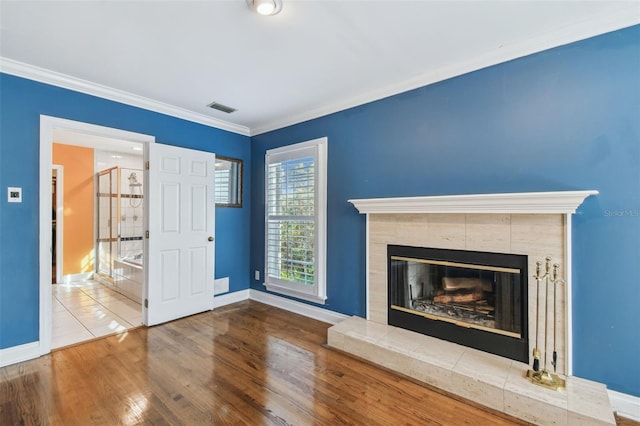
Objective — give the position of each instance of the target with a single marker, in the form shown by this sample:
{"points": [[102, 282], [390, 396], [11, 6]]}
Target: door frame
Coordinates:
{"points": [[59, 219], [47, 126]]}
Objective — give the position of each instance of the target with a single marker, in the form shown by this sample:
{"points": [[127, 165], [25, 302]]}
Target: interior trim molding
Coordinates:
{"points": [[625, 405], [80, 276], [310, 311], [16, 354], [294, 306], [558, 202], [47, 126], [42, 75], [623, 17], [229, 298]]}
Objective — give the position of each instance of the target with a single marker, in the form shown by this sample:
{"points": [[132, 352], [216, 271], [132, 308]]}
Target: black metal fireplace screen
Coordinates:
{"points": [[477, 299]]}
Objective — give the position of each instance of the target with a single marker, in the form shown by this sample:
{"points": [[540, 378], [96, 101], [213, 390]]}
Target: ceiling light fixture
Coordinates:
{"points": [[265, 7]]}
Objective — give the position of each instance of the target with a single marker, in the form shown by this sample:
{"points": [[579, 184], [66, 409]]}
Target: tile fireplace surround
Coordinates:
{"points": [[535, 224]]}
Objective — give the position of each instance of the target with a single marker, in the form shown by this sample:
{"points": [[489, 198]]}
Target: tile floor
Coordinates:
{"points": [[85, 310]]}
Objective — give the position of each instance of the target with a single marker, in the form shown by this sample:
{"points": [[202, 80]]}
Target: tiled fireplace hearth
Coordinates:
{"points": [[533, 224]]}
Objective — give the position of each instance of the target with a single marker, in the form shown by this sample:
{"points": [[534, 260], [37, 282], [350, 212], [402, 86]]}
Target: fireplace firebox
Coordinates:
{"points": [[476, 299]]}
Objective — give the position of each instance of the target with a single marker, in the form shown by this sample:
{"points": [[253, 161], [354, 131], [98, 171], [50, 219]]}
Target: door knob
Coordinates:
{"points": [[210, 238]]}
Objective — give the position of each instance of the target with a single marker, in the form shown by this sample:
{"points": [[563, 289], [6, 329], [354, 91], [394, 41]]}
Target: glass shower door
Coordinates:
{"points": [[107, 223]]}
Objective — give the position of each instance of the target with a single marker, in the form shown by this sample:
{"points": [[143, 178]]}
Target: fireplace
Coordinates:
{"points": [[535, 224], [476, 299]]}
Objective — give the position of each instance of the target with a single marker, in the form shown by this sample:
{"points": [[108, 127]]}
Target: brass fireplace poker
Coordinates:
{"points": [[536, 349], [556, 281], [544, 377], [546, 307]]}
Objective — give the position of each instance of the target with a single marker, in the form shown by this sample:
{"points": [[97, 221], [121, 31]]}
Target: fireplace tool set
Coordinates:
{"points": [[544, 377]]}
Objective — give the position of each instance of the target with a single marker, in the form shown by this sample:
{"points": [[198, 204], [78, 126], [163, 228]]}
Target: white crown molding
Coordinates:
{"points": [[42, 75], [625, 16], [563, 202], [621, 18], [625, 405]]}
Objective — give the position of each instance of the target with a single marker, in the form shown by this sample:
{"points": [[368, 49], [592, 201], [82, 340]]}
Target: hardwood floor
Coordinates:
{"points": [[247, 363]]}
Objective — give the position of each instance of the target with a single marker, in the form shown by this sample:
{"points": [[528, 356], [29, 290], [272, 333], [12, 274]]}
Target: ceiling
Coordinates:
{"points": [[314, 58]]}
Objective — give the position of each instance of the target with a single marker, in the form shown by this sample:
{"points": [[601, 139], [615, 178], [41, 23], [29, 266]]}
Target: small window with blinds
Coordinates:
{"points": [[295, 220]]}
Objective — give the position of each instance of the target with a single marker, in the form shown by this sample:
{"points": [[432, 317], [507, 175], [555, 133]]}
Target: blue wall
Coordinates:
{"points": [[21, 103], [563, 119]]}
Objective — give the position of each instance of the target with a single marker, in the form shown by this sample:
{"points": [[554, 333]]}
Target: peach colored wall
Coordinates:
{"points": [[78, 199]]}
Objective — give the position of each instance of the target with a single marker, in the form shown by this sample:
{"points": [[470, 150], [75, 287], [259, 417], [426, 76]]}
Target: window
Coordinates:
{"points": [[295, 220], [228, 183]]}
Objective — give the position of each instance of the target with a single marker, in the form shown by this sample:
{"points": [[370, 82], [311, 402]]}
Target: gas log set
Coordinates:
{"points": [[470, 299], [476, 299]]}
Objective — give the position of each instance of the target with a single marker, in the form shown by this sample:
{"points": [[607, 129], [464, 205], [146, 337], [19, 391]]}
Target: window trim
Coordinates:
{"points": [[319, 293]]}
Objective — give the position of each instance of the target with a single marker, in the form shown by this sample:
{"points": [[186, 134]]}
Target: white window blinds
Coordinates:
{"points": [[222, 187], [295, 218]]}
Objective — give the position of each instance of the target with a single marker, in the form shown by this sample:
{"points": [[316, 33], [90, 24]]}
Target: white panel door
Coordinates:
{"points": [[181, 224]]}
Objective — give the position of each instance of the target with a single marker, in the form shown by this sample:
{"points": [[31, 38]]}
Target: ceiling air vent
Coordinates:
{"points": [[220, 107]]}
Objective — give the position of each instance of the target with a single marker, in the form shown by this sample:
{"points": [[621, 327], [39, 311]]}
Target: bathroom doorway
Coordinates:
{"points": [[96, 294]]}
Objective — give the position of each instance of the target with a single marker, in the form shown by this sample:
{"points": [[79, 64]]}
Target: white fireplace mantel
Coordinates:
{"points": [[561, 202]]}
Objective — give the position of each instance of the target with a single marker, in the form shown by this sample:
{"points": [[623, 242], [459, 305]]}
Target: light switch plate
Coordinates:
{"points": [[14, 195]]}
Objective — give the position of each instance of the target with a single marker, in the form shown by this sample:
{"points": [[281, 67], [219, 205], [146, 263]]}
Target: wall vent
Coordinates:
{"points": [[221, 107]]}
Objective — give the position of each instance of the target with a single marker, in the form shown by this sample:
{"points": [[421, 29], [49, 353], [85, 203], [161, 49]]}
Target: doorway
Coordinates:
{"points": [[48, 127], [100, 293], [181, 220]]}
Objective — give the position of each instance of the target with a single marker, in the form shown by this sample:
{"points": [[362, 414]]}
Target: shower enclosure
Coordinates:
{"points": [[120, 230]]}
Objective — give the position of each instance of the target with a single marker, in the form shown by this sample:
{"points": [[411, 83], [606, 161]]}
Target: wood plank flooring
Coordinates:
{"points": [[247, 364]]}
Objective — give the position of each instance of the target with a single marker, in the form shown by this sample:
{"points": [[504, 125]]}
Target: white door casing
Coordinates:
{"points": [[180, 248], [47, 126]]}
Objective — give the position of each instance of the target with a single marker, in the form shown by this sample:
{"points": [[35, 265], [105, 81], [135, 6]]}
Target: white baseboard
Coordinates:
{"points": [[625, 405], [83, 276], [310, 311], [100, 279], [229, 298], [19, 353]]}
